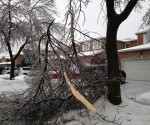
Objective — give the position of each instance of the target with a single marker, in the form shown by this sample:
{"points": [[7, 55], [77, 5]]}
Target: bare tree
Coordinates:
{"points": [[114, 21], [21, 23]]}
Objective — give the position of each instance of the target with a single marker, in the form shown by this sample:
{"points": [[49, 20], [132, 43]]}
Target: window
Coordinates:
{"points": [[96, 44], [148, 41], [127, 45], [146, 38], [85, 46]]}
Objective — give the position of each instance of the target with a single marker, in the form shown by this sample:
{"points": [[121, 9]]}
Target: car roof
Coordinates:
{"points": [[6, 67]]}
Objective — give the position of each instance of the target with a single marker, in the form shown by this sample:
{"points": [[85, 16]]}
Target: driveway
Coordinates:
{"points": [[133, 89]]}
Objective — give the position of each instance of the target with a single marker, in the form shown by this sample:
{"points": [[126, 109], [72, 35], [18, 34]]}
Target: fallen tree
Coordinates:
{"points": [[47, 99]]}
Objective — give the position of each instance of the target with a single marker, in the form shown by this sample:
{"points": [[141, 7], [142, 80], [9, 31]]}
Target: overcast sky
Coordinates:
{"points": [[126, 30]]}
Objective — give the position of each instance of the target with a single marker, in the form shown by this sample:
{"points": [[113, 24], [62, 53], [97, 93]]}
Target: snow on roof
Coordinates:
{"points": [[5, 63], [124, 40], [135, 48], [6, 54], [102, 37], [91, 53], [142, 32], [128, 40]]}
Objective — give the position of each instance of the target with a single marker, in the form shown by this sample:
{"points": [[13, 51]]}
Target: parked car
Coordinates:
{"points": [[24, 70], [101, 70], [55, 73], [7, 70], [16, 71], [94, 70]]}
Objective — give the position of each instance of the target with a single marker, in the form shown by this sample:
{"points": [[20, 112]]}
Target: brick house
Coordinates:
{"points": [[4, 57], [135, 60], [134, 54], [93, 51]]}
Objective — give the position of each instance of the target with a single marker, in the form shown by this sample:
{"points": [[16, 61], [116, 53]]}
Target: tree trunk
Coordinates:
{"points": [[12, 69], [112, 61]]}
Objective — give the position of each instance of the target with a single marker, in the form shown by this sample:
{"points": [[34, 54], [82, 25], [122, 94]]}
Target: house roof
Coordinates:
{"points": [[128, 40], [124, 40], [5, 63], [90, 53], [6, 54], [136, 48], [91, 39], [141, 32]]}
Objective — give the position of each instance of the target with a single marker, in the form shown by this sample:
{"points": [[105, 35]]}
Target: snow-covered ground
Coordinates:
{"points": [[7, 85], [134, 109]]}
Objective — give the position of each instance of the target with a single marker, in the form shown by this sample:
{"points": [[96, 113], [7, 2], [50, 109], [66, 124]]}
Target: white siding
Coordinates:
{"points": [[144, 38]]}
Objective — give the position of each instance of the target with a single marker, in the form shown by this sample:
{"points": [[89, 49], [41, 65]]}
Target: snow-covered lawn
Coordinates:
{"points": [[7, 85], [132, 111]]}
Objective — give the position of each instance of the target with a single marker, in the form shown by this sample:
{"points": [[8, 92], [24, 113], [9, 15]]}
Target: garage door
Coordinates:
{"points": [[137, 69]]}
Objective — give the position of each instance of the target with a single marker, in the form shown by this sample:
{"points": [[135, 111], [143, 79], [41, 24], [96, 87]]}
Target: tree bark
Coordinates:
{"points": [[13, 58], [112, 56], [12, 75], [114, 20]]}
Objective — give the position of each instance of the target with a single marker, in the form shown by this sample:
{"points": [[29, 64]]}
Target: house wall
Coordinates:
{"points": [[20, 57], [83, 43], [140, 39], [133, 43], [120, 45], [9, 60], [4, 60], [103, 43], [79, 47], [101, 57], [91, 45], [133, 54]]}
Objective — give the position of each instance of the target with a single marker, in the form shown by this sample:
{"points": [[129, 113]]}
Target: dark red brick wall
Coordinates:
{"points": [[134, 54], [140, 39], [133, 43]]}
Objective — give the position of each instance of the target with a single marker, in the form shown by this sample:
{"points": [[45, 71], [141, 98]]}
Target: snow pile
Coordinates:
{"points": [[144, 99]]}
